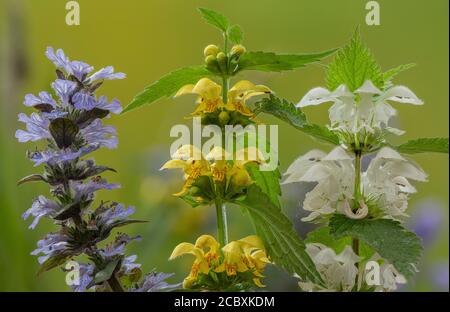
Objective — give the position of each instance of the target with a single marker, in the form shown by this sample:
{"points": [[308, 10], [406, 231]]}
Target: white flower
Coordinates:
{"points": [[367, 108], [334, 175], [337, 270], [389, 276], [386, 180]]}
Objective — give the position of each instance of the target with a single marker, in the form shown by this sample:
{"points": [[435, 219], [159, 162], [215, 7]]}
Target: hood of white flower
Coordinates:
{"points": [[389, 278], [337, 270]]}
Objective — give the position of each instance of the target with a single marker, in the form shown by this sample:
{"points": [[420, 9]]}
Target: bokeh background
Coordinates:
{"points": [[147, 38]]}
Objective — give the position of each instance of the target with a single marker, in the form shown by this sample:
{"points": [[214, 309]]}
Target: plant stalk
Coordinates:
{"points": [[114, 284], [222, 226]]}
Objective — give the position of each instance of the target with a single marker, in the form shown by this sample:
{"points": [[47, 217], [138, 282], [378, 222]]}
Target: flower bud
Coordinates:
{"points": [[224, 117], [210, 60], [212, 49], [222, 60], [238, 50], [241, 178]]}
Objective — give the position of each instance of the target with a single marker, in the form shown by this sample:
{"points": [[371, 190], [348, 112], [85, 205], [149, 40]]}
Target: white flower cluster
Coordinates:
{"points": [[386, 180]]}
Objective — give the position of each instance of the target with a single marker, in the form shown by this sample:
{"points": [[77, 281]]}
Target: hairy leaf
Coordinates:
{"points": [[215, 18], [235, 34], [391, 73], [168, 85], [107, 272], [353, 65], [387, 237], [283, 244], [287, 112], [272, 62], [437, 145]]}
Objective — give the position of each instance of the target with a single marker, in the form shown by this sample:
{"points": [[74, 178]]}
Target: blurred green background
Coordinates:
{"points": [[147, 38]]}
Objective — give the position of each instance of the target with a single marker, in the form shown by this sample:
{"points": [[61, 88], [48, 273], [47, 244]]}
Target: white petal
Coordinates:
{"points": [[404, 185], [338, 154], [312, 156], [316, 173], [342, 91], [389, 153], [368, 87], [315, 96], [401, 94]]}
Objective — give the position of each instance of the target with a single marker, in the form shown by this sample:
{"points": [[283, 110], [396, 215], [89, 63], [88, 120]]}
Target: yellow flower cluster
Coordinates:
{"points": [[242, 256], [210, 96], [214, 166]]}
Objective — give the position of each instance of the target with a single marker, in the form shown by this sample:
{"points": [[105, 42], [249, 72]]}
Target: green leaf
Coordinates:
{"points": [[436, 145], [54, 261], [272, 62], [106, 273], [387, 237], [282, 242], [353, 65], [63, 131], [267, 181], [235, 34], [287, 112], [168, 85], [391, 73], [31, 178], [322, 235], [215, 18]]}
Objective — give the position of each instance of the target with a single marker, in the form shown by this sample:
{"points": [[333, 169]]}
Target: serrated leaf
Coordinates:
{"points": [[387, 237], [287, 112], [391, 73], [353, 65], [31, 178], [422, 145], [168, 85], [235, 34], [215, 18], [272, 62], [106, 273], [283, 244], [267, 181], [322, 235], [63, 131]]}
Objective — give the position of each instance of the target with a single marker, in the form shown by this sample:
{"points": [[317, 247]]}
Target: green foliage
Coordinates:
{"points": [[287, 112], [322, 235], [168, 85], [272, 62], [283, 244], [107, 272], [215, 19], [353, 65], [436, 145], [267, 181], [391, 73], [235, 34], [387, 237]]}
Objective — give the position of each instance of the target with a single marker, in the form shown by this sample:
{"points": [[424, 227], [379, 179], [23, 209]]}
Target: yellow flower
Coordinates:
{"points": [[244, 255], [240, 93], [219, 167], [191, 161], [209, 95], [206, 254], [238, 173]]}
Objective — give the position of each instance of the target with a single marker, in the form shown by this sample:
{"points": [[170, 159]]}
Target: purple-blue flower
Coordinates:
{"points": [[97, 133], [115, 213], [155, 282], [44, 98], [37, 128], [426, 220], [64, 90], [53, 157], [90, 187], [105, 73], [51, 245], [41, 207], [86, 275]]}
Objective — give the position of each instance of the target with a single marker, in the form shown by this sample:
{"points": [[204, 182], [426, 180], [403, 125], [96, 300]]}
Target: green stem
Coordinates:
{"points": [[357, 189], [114, 284], [222, 227]]}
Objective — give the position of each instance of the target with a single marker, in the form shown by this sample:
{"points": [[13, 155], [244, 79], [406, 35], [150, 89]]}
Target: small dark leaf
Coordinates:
{"points": [[60, 74], [31, 178], [44, 107], [63, 131], [86, 117]]}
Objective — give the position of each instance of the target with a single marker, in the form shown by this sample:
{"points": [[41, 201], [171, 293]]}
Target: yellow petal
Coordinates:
{"points": [[253, 240], [182, 249], [207, 89], [187, 89], [174, 164], [258, 283], [207, 241], [188, 151]]}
